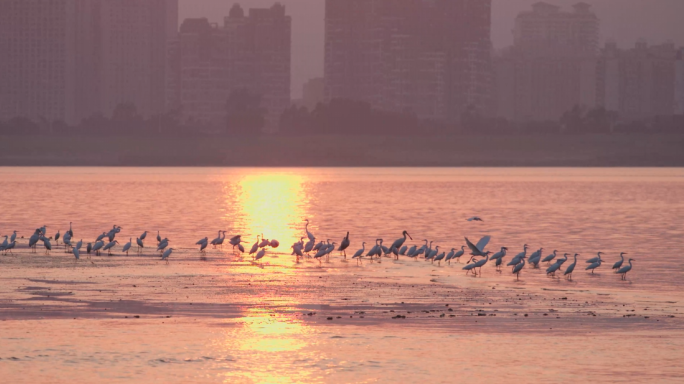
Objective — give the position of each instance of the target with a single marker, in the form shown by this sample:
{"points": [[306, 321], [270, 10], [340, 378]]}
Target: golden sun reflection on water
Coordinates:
{"points": [[267, 345], [272, 204]]}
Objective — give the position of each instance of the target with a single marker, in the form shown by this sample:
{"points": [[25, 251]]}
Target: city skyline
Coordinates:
{"points": [[654, 21], [70, 60], [428, 61]]}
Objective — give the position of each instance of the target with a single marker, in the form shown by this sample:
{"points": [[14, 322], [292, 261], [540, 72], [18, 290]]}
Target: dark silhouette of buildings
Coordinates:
{"points": [[555, 67], [427, 57], [69, 59], [249, 51], [551, 66], [640, 82]]}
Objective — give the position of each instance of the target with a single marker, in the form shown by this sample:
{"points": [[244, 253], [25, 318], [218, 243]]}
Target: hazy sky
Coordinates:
{"points": [[624, 21]]}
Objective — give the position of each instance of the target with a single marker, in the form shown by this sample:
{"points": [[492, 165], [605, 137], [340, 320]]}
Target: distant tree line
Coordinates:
{"points": [[341, 116], [245, 116]]}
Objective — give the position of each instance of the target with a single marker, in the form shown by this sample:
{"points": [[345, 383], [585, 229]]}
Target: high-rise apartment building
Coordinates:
{"points": [[134, 41], [313, 92], [250, 51], [552, 65], [69, 59], [546, 30], [47, 59], [350, 50], [640, 82], [429, 57], [679, 83]]}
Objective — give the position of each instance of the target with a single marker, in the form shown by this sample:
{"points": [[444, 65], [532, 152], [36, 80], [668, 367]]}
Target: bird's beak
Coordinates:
{"points": [[409, 236]]}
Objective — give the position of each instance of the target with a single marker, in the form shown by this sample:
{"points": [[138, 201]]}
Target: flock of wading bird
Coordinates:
{"points": [[478, 256]]}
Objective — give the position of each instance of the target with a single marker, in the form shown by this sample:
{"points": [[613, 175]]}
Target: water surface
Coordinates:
{"points": [[248, 322]]}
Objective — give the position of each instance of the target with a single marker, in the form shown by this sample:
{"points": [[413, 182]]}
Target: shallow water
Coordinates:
{"points": [[249, 321]]}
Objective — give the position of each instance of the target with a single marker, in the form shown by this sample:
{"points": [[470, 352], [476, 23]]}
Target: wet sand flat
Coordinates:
{"points": [[223, 317]]}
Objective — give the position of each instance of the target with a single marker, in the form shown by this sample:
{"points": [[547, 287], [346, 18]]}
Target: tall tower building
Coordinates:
{"points": [[48, 61], [134, 40], [350, 48], [69, 59], [250, 50], [640, 82], [546, 29], [679, 83], [429, 57], [551, 66]]}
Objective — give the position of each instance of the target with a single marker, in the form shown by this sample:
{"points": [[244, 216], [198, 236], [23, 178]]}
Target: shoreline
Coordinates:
{"points": [[227, 288], [618, 150]]}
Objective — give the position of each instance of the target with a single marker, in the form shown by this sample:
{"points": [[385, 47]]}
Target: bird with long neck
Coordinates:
{"points": [[359, 254], [571, 267], [309, 234], [458, 254], [479, 264], [519, 268], [344, 244], [623, 271], [618, 264], [255, 247], [400, 241]]}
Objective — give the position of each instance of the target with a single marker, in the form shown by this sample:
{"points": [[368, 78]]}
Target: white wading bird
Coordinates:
{"points": [[478, 249], [519, 268], [344, 244], [571, 267], [595, 259], [109, 247], [359, 253], [594, 265], [548, 258], [618, 264], [127, 246], [478, 264], [166, 254], [623, 271], [458, 254], [310, 235]]}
